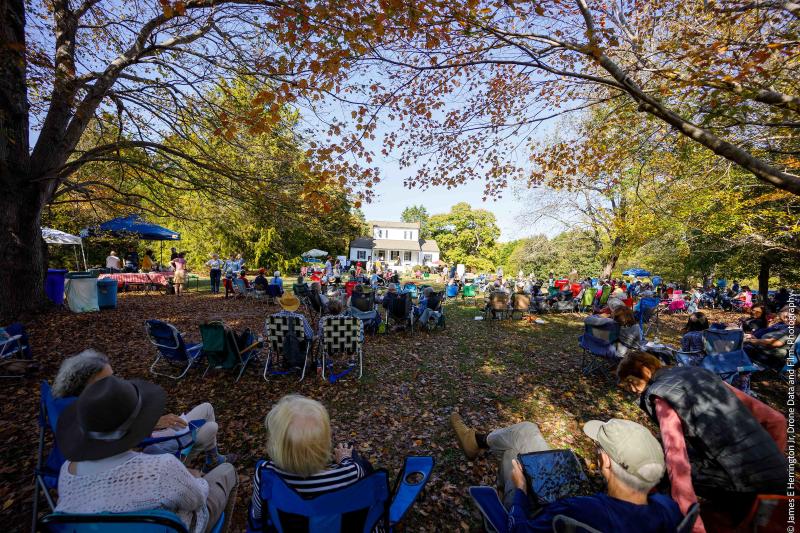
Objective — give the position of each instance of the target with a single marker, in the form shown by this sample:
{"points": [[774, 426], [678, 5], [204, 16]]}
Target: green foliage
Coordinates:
{"points": [[417, 213], [467, 236], [567, 251]]}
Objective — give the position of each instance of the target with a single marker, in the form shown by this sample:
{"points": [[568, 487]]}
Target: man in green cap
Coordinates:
{"points": [[630, 459]]}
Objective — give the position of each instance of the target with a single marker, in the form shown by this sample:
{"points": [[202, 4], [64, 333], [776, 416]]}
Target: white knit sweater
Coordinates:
{"points": [[142, 483]]}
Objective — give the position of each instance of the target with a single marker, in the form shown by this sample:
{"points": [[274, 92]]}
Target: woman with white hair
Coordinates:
{"points": [[81, 370], [277, 280], [299, 450]]}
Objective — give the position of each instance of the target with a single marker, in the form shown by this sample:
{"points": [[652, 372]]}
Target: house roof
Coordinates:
{"points": [[363, 242], [428, 245], [387, 224], [396, 244]]}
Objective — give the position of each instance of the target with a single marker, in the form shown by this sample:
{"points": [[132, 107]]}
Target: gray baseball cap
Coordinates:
{"points": [[630, 445]]}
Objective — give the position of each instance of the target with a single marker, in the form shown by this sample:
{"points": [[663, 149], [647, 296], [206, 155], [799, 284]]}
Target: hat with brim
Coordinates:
{"points": [[289, 302], [630, 445], [110, 416]]}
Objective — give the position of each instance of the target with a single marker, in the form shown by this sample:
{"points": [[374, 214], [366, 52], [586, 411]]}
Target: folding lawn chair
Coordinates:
{"points": [[363, 302], [587, 300], [469, 291], [411, 288], [341, 336], [400, 312], [156, 521], [451, 292], [648, 313], [495, 515], [171, 347], [14, 346], [497, 305], [223, 350], [599, 345], [241, 289], [48, 469], [276, 327], [435, 303], [520, 303], [362, 506], [726, 357], [604, 295], [272, 294]]}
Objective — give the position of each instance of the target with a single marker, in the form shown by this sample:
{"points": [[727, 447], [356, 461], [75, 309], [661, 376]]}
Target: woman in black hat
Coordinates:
{"points": [[97, 435]]}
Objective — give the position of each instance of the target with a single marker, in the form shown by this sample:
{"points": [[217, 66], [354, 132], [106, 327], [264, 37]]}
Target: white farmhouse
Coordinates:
{"points": [[396, 244]]}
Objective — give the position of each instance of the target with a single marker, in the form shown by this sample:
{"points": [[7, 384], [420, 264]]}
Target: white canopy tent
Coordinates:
{"points": [[54, 236], [314, 253]]}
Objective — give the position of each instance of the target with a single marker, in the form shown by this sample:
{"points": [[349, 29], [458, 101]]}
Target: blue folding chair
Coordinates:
{"points": [[647, 313], [725, 356], [411, 288], [48, 469], [156, 521], [357, 507], [14, 345], [451, 292], [599, 343], [171, 347], [495, 516]]}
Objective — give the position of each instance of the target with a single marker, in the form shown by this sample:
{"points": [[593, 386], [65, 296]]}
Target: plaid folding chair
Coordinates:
{"points": [[275, 329], [223, 350], [341, 335], [171, 347]]}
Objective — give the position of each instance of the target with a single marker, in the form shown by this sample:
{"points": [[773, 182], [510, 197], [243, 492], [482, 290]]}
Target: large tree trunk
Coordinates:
{"points": [[613, 257], [763, 277]]}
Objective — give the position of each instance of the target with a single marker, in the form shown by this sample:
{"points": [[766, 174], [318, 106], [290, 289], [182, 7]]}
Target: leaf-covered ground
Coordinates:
{"points": [[495, 372]]}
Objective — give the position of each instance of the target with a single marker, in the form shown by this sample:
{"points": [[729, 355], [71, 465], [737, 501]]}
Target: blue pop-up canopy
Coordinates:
{"points": [[132, 225], [636, 272]]}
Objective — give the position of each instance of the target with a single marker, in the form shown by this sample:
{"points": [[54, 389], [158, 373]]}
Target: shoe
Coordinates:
{"points": [[465, 436], [227, 458]]}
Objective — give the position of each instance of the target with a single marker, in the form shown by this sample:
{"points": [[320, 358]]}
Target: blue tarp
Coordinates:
{"points": [[132, 225], [636, 272]]}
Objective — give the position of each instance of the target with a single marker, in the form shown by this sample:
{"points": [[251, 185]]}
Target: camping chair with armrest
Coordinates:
{"points": [[48, 469], [156, 521], [451, 292], [400, 312], [599, 342], [365, 506], [436, 303], [14, 346], [363, 302], [272, 294], [276, 327], [495, 515], [341, 336], [605, 293], [587, 300], [469, 291], [224, 351], [411, 288], [497, 305], [171, 347], [241, 289], [648, 313], [725, 356], [520, 303]]}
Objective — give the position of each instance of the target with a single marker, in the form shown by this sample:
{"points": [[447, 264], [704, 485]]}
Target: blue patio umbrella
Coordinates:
{"points": [[639, 272]]}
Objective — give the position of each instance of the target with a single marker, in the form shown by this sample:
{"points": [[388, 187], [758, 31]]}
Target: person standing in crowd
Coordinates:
{"points": [[173, 253], [113, 263], [215, 272], [179, 279], [329, 267]]}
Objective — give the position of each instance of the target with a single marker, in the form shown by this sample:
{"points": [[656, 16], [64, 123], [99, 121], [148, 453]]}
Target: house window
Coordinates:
{"points": [[394, 255], [380, 234], [426, 258], [361, 254], [406, 256]]}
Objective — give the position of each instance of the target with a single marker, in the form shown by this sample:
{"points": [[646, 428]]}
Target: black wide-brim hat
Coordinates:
{"points": [[110, 416]]}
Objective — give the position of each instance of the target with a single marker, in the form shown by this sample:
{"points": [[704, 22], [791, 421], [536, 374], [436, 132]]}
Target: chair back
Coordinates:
{"points": [[400, 308], [239, 286], [722, 341], [498, 300], [136, 522], [646, 308], [167, 339], [588, 297], [274, 291], [677, 295], [348, 288], [219, 345], [468, 291], [300, 289], [565, 524], [50, 409], [435, 301], [276, 327], [452, 290], [357, 507], [411, 288], [604, 294], [576, 289], [600, 336], [521, 302], [341, 334], [363, 302]]}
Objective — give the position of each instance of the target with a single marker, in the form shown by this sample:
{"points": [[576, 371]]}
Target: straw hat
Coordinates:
{"points": [[289, 302]]}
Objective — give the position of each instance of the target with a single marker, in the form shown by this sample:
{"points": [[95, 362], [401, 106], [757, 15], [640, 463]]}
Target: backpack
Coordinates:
{"points": [[292, 354]]}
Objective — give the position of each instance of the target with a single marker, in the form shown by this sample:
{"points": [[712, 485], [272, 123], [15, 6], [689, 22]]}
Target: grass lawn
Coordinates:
{"points": [[496, 373]]}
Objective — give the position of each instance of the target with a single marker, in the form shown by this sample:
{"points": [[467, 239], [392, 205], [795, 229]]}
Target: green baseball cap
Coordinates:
{"points": [[630, 445]]}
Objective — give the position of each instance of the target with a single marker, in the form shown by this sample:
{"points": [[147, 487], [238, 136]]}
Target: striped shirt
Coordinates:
{"points": [[335, 477]]}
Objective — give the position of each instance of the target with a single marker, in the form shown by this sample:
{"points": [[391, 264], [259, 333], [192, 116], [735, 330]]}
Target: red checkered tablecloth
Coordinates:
{"points": [[139, 278]]}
